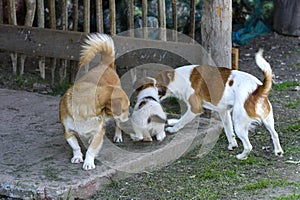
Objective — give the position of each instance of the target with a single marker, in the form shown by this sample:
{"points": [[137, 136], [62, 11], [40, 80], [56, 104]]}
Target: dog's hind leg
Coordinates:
{"points": [[269, 123], [228, 128], [241, 125]]}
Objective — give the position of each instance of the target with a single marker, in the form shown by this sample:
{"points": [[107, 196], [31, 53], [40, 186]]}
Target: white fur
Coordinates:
{"points": [[233, 100], [139, 118]]}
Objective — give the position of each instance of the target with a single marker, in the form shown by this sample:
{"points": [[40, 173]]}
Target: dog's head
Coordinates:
{"points": [[163, 80], [114, 103], [144, 83]]}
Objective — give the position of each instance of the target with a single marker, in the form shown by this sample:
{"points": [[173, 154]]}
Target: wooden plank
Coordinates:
{"points": [[41, 42], [67, 44]]}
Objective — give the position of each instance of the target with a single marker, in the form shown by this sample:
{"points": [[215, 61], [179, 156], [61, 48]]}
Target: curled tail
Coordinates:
{"points": [[98, 43], [266, 68]]}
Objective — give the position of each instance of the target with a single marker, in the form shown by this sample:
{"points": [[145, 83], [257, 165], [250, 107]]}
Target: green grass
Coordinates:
{"points": [[285, 85], [293, 103], [289, 197]]}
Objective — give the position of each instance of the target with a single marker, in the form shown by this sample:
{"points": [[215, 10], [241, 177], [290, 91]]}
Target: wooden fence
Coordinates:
{"points": [[59, 40]]}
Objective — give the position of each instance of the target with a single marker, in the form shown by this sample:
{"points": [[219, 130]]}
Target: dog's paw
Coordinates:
{"points": [[161, 136], [76, 160], [77, 157], [136, 137], [88, 164], [147, 139], [118, 139], [232, 145], [172, 129], [279, 153], [241, 156]]}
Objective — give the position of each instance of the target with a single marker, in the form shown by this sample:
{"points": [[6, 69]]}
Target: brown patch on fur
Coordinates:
{"points": [[163, 79], [231, 83], [259, 98], [196, 104], [257, 101], [209, 83], [143, 84], [142, 103]]}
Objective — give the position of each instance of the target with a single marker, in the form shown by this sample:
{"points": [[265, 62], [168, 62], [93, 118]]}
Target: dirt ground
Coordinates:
{"points": [[282, 52]]}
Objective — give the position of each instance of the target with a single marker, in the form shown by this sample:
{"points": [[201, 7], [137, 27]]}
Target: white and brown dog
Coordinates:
{"points": [[225, 91], [92, 100], [148, 118]]}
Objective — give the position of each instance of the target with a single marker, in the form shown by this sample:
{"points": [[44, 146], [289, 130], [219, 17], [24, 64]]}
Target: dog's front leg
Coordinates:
{"points": [[186, 118], [93, 150], [77, 155], [118, 132]]}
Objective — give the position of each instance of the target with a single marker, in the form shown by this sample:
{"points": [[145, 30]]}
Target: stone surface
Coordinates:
{"points": [[35, 158]]}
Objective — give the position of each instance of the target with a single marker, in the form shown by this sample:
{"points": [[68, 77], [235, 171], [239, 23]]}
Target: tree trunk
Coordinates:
{"points": [[216, 28]]}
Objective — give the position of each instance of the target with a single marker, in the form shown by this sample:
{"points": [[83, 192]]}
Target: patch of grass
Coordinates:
{"points": [[289, 197], [293, 103], [293, 128], [60, 89], [285, 85], [264, 183]]}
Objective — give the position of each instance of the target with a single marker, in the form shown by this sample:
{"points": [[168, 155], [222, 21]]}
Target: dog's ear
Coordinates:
{"points": [[116, 106], [143, 83]]}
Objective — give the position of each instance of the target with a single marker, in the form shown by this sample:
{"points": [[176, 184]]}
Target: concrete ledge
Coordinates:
{"points": [[35, 158]]}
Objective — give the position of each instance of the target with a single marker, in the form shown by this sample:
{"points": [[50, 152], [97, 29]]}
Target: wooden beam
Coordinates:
{"points": [[67, 44], [41, 42]]}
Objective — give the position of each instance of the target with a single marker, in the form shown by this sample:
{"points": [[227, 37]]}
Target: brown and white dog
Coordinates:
{"points": [[148, 118], [225, 91], [92, 100]]}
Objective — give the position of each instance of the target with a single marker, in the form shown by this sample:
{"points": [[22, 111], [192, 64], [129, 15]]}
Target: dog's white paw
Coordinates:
{"points": [[279, 152], [232, 145], [161, 136], [136, 137], [88, 164], [118, 139], [76, 160], [241, 156], [77, 157], [172, 129]]}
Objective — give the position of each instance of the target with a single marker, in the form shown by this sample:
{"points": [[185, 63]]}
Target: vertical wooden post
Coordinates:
{"points": [[99, 16], [112, 11], [86, 22], [12, 17], [41, 24], [216, 29], [75, 14], [162, 19], [174, 19], [1, 12], [52, 16], [64, 20], [192, 18], [130, 17], [145, 18]]}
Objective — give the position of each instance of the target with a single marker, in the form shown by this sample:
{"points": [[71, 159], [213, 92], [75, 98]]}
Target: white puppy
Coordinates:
{"points": [[148, 118]]}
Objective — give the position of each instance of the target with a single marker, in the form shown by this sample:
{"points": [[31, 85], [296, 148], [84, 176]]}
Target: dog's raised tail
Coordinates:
{"points": [[98, 43], [266, 68]]}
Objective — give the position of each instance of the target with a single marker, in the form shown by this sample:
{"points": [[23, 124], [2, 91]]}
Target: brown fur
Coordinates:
{"points": [[94, 98], [259, 99], [209, 84]]}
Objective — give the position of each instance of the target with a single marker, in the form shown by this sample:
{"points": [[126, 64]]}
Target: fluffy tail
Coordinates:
{"points": [[98, 43], [266, 68]]}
